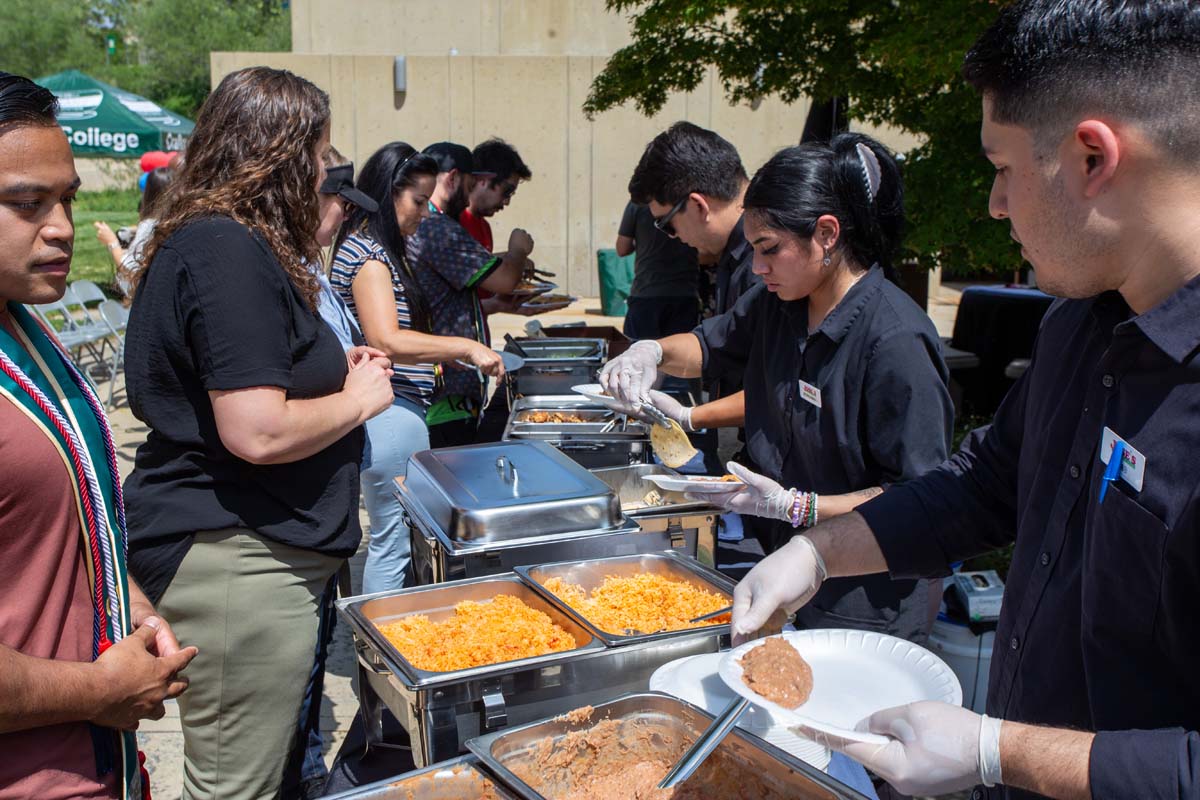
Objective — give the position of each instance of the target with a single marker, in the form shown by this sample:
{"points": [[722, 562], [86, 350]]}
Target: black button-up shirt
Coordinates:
{"points": [[885, 415], [1097, 616], [734, 278]]}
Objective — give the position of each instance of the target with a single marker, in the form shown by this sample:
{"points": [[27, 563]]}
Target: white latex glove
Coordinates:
{"points": [[787, 579], [672, 408], [759, 497], [935, 748], [630, 376]]}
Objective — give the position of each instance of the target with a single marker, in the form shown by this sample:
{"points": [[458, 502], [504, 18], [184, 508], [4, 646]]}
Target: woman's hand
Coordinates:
{"points": [[759, 496], [357, 356], [105, 234], [370, 386], [485, 358]]}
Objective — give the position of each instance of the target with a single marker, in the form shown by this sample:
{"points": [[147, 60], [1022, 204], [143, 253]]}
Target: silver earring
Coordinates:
{"points": [[826, 260]]}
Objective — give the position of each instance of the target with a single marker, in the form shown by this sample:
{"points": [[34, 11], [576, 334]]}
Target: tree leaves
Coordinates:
{"points": [[898, 61]]}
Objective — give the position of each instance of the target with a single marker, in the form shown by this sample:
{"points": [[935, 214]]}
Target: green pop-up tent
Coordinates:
{"points": [[106, 122]]}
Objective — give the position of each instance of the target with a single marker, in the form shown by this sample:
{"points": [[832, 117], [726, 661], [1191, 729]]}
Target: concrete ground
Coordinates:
{"points": [[162, 740]]}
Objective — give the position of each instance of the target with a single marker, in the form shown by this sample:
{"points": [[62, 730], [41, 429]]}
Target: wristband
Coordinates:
{"points": [[114, 245], [989, 751]]}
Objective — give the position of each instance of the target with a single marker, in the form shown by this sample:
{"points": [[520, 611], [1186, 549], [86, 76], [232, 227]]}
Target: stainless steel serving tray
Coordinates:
{"points": [[457, 779], [367, 612], [630, 486], [513, 754], [596, 428], [590, 574], [491, 493], [545, 350]]}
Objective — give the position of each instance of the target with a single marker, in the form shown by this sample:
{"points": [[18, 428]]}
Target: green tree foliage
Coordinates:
{"points": [[162, 49], [897, 61]]}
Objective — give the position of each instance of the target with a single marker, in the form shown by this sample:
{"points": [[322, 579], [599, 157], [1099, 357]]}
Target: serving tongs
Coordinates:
{"points": [[711, 614], [659, 418], [712, 737]]}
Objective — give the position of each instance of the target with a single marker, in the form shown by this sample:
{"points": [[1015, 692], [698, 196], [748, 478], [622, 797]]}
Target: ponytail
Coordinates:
{"points": [[853, 177]]}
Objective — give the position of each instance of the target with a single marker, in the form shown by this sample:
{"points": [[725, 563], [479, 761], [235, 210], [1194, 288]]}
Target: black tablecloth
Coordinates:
{"points": [[997, 324]]}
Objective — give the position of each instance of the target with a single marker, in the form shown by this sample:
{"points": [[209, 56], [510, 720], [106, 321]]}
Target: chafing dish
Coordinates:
{"points": [[666, 726], [485, 509], [604, 439], [457, 779], [553, 366], [590, 574], [441, 710], [676, 515]]}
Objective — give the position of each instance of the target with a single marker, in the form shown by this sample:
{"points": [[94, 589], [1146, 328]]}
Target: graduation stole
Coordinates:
{"points": [[39, 378]]}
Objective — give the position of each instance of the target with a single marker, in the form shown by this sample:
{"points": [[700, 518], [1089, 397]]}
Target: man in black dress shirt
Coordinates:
{"points": [[1090, 111]]}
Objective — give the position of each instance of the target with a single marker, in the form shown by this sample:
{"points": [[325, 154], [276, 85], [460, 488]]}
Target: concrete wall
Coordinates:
{"points": [[472, 27]]}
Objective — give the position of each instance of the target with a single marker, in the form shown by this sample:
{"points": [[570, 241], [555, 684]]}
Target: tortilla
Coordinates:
{"points": [[671, 444]]}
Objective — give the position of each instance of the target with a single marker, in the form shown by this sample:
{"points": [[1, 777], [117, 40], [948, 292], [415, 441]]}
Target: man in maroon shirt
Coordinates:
{"points": [[56, 702]]}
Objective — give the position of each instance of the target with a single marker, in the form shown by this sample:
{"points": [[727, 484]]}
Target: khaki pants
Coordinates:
{"points": [[250, 605]]}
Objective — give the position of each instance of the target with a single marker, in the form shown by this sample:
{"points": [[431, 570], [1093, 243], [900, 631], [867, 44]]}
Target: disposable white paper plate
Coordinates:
{"points": [[696, 680], [855, 674], [595, 393], [697, 484]]}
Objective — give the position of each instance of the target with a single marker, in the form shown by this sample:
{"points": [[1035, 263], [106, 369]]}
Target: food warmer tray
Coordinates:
{"points": [[590, 574], [457, 779], [677, 515], [512, 754], [553, 366], [592, 444], [441, 710], [485, 509]]}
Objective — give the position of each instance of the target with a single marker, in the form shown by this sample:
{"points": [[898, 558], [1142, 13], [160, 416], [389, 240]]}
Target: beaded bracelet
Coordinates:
{"points": [[812, 519], [795, 516]]}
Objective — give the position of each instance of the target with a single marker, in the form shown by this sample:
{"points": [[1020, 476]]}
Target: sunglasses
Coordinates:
{"points": [[663, 223]]}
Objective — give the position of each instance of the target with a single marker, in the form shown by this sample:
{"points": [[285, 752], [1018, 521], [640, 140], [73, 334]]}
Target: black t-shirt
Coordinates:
{"points": [[216, 312], [663, 265]]}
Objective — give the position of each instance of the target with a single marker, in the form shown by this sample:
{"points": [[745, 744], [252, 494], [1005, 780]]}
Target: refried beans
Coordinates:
{"points": [[777, 672]]}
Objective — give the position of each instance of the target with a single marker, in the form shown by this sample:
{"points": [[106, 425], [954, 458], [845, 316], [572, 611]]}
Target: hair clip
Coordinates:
{"points": [[872, 174]]}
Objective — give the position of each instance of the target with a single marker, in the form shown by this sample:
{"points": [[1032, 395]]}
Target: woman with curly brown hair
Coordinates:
{"points": [[243, 500]]}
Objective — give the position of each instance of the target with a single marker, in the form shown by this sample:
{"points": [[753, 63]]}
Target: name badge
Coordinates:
{"points": [[810, 393], [1133, 463]]}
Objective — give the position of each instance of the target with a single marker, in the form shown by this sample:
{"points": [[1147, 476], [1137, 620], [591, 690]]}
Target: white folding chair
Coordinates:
{"points": [[116, 318]]}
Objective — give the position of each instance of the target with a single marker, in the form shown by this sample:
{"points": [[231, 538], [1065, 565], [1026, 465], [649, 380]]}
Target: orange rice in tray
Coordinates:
{"points": [[491, 632], [644, 602]]}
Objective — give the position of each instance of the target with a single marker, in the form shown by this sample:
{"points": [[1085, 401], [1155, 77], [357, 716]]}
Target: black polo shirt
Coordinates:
{"points": [[1097, 630], [885, 415], [734, 277]]}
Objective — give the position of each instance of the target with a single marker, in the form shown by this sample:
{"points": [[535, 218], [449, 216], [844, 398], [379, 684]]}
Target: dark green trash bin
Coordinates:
{"points": [[616, 277]]}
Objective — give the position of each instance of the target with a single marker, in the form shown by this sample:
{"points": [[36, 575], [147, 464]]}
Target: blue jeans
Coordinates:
{"points": [[393, 436]]}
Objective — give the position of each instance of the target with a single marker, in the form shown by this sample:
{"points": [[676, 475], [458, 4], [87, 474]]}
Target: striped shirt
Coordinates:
{"points": [[414, 382]]}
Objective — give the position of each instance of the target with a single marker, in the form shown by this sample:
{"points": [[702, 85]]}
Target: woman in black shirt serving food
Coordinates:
{"points": [[845, 386]]}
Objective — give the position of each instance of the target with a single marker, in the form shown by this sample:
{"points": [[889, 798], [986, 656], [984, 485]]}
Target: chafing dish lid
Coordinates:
{"points": [[567, 349], [508, 490]]}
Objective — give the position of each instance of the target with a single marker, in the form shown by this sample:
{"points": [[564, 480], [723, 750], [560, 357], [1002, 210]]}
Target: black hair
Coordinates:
{"points": [[1044, 64], [686, 158], [501, 159], [389, 170], [157, 181], [23, 102], [800, 184]]}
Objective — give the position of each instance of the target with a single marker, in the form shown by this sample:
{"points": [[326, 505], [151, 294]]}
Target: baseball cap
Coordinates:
{"points": [[339, 180], [450, 156]]}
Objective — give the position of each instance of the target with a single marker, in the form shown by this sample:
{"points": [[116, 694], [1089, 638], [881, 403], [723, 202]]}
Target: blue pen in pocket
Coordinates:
{"points": [[1113, 470]]}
